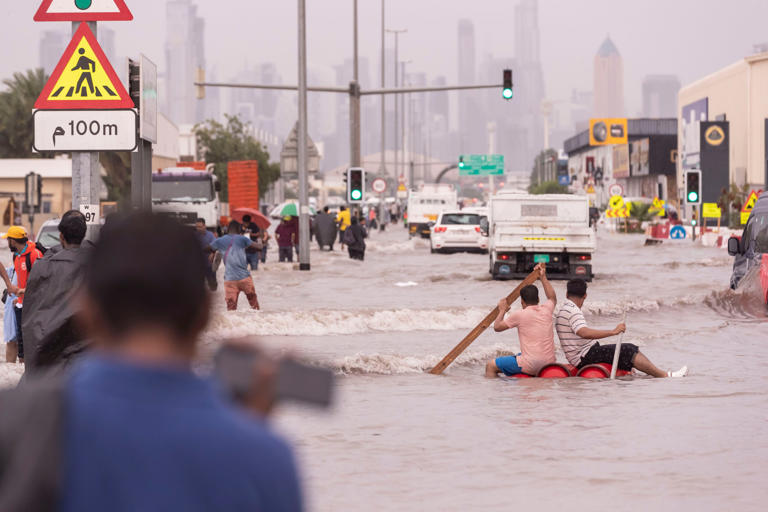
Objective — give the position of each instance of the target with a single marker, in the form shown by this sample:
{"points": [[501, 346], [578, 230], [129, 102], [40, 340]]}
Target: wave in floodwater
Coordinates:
{"points": [[397, 364], [340, 322], [746, 302]]}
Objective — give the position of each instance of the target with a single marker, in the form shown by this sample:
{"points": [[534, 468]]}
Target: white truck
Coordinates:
{"points": [[526, 229], [187, 194], [426, 203]]}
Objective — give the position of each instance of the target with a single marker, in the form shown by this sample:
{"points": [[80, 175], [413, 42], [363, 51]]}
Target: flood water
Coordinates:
{"points": [[401, 439]]}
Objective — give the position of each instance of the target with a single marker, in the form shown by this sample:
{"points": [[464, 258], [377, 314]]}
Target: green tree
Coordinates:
{"points": [[548, 187], [16, 104], [224, 143]]}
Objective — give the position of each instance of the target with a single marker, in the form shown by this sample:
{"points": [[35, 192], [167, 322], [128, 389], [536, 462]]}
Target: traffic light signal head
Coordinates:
{"points": [[693, 187], [507, 90], [355, 185], [461, 162]]}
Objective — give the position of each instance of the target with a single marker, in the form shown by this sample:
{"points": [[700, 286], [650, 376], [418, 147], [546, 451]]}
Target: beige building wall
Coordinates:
{"points": [[56, 190], [740, 92]]}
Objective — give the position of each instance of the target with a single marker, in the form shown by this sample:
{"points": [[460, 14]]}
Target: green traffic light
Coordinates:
{"points": [[83, 4], [507, 94], [693, 197], [357, 195]]}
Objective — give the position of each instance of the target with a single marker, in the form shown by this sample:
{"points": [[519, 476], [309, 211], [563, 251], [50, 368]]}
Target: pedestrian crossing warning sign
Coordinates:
{"points": [[84, 78]]}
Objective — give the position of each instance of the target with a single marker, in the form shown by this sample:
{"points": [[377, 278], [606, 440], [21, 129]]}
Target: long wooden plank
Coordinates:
{"points": [[482, 326]]}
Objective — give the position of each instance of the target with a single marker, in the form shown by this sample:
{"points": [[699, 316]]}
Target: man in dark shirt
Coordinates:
{"points": [[206, 238]]}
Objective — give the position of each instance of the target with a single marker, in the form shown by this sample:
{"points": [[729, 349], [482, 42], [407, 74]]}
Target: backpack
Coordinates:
{"points": [[349, 237]]}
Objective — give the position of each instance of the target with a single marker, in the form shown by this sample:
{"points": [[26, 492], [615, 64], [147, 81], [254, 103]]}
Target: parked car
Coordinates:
{"points": [[48, 234], [751, 249]]}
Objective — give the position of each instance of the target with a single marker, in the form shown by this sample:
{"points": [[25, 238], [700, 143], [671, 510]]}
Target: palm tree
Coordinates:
{"points": [[16, 104]]}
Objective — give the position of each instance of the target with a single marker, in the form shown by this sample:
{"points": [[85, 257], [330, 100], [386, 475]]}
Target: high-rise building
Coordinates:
{"points": [[660, 95], [52, 46], [608, 81], [471, 125], [185, 53]]}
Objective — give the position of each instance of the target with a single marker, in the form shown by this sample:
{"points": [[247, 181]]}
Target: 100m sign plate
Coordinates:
{"points": [[85, 130]]}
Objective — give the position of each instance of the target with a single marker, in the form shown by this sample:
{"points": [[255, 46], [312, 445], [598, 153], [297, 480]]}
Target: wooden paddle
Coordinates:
{"points": [[482, 326]]}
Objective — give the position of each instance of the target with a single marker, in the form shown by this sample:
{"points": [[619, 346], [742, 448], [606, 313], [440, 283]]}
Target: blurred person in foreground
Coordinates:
{"points": [[50, 331], [130, 426], [237, 278]]}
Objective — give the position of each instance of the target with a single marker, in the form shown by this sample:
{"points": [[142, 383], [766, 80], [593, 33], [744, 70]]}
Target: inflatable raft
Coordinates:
{"points": [[562, 371]]}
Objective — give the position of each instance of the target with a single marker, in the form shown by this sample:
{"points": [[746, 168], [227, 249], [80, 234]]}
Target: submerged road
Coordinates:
{"points": [[400, 439]]}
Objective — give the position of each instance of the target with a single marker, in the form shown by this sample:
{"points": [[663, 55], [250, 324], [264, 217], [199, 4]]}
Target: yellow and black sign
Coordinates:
{"points": [[711, 211], [84, 78], [607, 131], [714, 135], [616, 202]]}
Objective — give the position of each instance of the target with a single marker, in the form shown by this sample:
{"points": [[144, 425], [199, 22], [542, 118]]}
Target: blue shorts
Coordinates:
{"points": [[508, 365]]}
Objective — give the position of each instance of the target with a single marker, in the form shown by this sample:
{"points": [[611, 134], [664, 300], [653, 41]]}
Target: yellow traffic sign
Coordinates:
{"points": [[84, 78], [590, 189], [616, 202], [750, 202], [711, 211], [745, 217]]}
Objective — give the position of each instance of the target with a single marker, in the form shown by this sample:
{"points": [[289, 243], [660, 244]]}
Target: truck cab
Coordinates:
{"points": [[187, 195], [425, 205], [526, 229]]}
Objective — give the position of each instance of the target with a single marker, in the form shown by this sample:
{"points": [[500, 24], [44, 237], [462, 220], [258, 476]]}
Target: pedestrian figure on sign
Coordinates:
{"points": [[87, 66]]}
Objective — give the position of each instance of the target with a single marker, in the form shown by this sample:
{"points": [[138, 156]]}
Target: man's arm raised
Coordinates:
{"points": [[549, 291]]}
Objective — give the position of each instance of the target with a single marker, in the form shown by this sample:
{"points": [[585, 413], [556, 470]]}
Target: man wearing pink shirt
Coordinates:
{"points": [[535, 330]]}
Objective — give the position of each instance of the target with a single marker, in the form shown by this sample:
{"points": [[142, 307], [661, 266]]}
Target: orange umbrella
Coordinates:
{"points": [[257, 217]]}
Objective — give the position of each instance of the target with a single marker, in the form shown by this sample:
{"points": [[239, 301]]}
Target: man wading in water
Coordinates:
{"points": [[534, 328]]}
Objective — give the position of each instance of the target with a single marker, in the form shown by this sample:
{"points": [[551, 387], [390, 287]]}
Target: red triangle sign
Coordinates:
{"points": [[84, 78], [83, 10]]}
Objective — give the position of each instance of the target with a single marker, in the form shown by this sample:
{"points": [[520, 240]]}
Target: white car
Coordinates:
{"points": [[459, 231]]}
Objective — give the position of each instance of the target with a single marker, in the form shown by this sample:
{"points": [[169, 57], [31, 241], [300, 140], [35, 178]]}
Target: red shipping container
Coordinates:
{"points": [[243, 179]]}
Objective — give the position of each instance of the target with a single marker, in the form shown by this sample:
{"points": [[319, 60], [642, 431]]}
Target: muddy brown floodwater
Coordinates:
{"points": [[400, 439]]}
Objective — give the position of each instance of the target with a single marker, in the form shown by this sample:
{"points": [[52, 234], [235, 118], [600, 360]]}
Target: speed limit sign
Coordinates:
{"points": [[616, 190], [379, 185]]}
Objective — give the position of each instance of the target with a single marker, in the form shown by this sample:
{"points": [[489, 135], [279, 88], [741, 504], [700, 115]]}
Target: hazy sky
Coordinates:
{"points": [[690, 38]]}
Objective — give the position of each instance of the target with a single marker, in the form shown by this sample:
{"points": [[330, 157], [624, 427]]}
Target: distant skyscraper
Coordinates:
{"points": [[608, 81], [471, 125], [660, 95], [185, 52], [52, 46]]}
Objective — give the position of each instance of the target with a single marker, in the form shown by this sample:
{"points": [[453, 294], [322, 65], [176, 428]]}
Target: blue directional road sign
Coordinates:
{"points": [[481, 165], [677, 233], [564, 180]]}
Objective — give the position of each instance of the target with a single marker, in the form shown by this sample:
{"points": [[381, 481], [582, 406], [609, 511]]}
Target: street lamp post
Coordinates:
{"points": [[302, 138], [397, 85]]}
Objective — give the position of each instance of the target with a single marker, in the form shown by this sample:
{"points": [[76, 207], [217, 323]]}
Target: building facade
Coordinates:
{"points": [[644, 167], [736, 95], [184, 54]]}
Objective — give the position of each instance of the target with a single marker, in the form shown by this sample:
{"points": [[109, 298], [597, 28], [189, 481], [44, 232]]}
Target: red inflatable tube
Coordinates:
{"points": [[561, 371]]}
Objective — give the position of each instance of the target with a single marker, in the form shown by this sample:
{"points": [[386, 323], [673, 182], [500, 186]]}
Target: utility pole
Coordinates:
{"points": [[86, 178], [303, 185], [354, 105], [397, 85], [383, 166]]}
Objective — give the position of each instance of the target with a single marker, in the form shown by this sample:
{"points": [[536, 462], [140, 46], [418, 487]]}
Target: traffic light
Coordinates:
{"points": [[693, 187], [355, 185], [507, 91], [461, 162], [33, 192]]}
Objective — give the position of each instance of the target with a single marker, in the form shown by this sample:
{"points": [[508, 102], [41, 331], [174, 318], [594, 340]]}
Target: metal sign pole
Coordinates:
{"points": [[86, 178]]}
